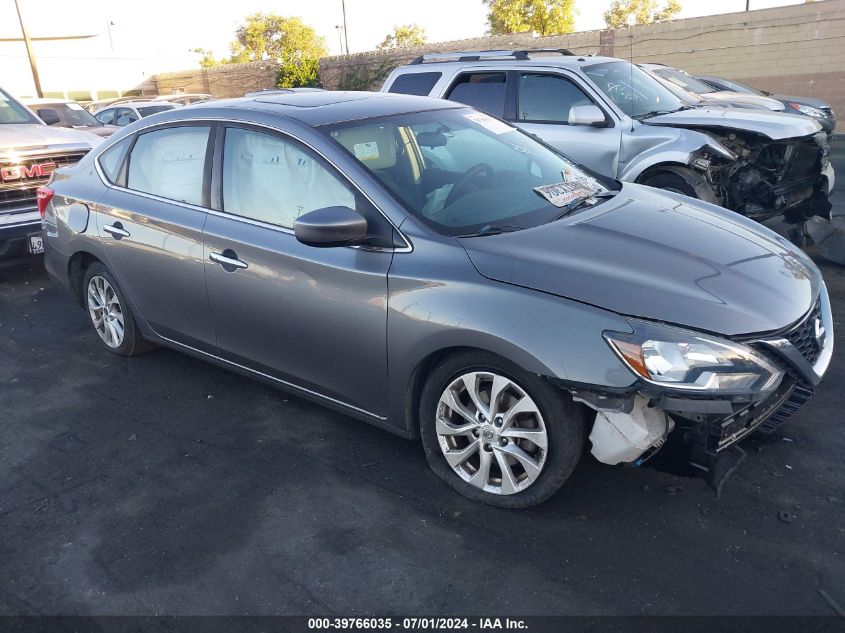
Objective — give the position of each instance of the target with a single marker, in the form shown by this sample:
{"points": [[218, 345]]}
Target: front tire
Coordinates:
{"points": [[681, 180], [496, 433], [110, 315]]}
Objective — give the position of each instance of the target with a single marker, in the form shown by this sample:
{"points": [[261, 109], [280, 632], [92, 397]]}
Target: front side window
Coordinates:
{"points": [[460, 170], [548, 98], [170, 163], [483, 91], [273, 180], [106, 117], [633, 90]]}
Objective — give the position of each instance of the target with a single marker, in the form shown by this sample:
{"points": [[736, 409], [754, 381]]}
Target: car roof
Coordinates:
{"points": [[324, 107], [44, 101], [540, 60], [137, 104]]}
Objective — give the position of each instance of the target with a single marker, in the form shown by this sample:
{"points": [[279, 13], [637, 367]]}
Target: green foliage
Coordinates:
{"points": [[207, 60], [405, 35], [624, 13], [545, 17], [367, 78]]}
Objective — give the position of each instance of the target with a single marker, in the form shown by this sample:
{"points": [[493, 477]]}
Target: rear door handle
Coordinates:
{"points": [[228, 259], [116, 230]]}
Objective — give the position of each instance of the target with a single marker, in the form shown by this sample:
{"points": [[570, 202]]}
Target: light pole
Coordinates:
{"points": [[345, 36], [29, 53], [340, 37]]}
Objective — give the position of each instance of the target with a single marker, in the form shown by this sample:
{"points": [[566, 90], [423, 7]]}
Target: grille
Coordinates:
{"points": [[20, 195], [803, 337]]}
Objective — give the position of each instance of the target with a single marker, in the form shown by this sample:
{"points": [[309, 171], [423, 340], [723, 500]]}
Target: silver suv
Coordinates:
{"points": [[621, 122]]}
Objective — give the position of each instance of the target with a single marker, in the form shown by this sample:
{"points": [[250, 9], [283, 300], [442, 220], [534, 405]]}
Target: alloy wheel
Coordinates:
{"points": [[106, 311], [491, 432]]}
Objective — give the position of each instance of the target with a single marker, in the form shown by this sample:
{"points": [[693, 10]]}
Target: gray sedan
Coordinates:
{"points": [[429, 269]]}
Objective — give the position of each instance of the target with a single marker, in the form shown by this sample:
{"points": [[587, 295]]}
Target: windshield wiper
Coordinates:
{"points": [[580, 202], [648, 115], [493, 229]]}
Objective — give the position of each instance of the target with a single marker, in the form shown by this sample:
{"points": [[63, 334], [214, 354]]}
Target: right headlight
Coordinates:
{"points": [[809, 110], [681, 359]]}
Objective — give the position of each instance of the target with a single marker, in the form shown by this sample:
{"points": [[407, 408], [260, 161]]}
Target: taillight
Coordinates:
{"points": [[44, 195]]}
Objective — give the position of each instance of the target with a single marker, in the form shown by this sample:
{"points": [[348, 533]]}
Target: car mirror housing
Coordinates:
{"points": [[587, 115], [48, 115], [331, 226]]}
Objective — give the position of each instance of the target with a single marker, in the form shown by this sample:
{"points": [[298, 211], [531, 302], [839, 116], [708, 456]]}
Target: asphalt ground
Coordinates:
{"points": [[164, 485]]}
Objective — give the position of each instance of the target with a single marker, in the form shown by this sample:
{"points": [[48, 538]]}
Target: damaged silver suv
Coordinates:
{"points": [[620, 121]]}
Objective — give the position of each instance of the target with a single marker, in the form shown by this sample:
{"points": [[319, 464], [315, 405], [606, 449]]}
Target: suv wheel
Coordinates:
{"points": [[110, 314], [496, 433], [682, 180]]}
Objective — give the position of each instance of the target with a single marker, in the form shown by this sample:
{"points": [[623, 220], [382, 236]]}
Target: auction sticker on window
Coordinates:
{"points": [[564, 193], [489, 123], [366, 151]]}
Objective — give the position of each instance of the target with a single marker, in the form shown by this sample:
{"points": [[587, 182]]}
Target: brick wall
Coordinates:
{"points": [[798, 49]]}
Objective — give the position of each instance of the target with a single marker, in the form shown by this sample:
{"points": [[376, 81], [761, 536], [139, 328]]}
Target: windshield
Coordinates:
{"points": [[685, 81], [72, 114], [153, 109], [462, 171], [633, 90], [738, 87], [13, 112]]}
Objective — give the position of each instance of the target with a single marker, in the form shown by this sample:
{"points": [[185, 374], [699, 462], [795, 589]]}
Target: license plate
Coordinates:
{"points": [[36, 244]]}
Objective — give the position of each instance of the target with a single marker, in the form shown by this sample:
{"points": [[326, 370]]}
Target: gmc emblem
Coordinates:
{"points": [[22, 172]]}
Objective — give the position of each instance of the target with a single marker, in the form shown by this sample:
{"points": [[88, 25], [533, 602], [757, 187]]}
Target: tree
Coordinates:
{"points": [[208, 60], [545, 17], [624, 13], [405, 35], [289, 41]]}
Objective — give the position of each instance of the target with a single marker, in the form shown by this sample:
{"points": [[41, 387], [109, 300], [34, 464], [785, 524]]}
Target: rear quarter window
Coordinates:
{"points": [[415, 83], [112, 160], [483, 91]]}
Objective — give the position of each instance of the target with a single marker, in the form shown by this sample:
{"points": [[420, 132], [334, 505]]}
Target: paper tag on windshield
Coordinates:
{"points": [[75, 106], [564, 193], [366, 151], [489, 123]]}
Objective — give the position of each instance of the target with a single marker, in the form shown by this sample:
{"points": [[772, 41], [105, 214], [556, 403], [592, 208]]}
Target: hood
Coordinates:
{"points": [[775, 125], [808, 101], [34, 136], [654, 255], [745, 98]]}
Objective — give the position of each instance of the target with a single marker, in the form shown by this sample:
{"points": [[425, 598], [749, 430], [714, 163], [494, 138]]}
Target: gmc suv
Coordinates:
{"points": [[30, 151]]}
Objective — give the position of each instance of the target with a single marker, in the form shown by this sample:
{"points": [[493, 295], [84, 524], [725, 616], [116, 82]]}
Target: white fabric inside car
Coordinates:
{"points": [[373, 145], [268, 179], [170, 163]]}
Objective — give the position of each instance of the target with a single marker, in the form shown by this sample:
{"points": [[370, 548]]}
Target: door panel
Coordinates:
{"points": [[313, 316]]}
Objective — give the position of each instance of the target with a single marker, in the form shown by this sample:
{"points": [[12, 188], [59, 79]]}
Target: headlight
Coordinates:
{"points": [[809, 110], [680, 359]]}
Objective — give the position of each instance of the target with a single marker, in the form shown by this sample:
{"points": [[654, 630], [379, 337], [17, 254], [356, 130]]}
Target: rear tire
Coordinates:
{"points": [[531, 428], [110, 314]]}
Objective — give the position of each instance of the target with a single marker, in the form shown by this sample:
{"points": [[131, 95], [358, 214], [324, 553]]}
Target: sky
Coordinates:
{"points": [[134, 40]]}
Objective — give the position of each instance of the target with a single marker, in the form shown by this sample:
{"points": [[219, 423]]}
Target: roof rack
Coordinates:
{"points": [[493, 55]]}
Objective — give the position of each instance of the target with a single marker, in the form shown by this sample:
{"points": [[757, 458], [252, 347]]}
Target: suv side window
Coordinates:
{"points": [[415, 83], [124, 116], [548, 98], [272, 180], [106, 116], [484, 91], [170, 163]]}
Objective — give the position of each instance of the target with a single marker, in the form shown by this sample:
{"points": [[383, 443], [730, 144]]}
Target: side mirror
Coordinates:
{"points": [[48, 115], [330, 226], [587, 115]]}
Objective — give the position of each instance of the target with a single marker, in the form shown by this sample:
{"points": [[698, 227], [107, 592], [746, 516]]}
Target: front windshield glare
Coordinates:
{"points": [[462, 171], [685, 81], [73, 114], [13, 112], [633, 90]]}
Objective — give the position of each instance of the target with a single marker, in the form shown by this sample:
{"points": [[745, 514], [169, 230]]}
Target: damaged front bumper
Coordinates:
{"points": [[632, 425]]}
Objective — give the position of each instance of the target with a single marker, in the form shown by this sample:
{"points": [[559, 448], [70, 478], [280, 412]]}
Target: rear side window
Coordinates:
{"points": [[125, 116], [170, 163], [548, 98], [106, 117], [483, 91], [112, 159], [272, 180], [415, 83]]}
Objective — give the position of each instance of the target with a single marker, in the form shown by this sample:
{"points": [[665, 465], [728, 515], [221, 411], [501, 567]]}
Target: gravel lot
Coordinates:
{"points": [[163, 485]]}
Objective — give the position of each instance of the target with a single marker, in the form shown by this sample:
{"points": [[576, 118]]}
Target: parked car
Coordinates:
{"points": [[708, 92], [271, 91], [432, 270], [95, 106], [70, 114], [29, 152], [816, 108], [184, 98], [697, 100], [619, 121], [130, 111]]}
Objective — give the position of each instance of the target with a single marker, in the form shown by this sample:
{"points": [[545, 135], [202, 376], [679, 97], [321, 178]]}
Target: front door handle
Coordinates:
{"points": [[228, 259], [116, 230]]}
